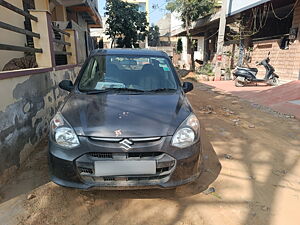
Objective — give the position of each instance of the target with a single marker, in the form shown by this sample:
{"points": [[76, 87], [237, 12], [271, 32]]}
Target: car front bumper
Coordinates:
{"points": [[75, 167]]}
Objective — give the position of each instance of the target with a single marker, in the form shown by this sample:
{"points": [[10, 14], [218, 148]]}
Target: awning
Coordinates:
{"points": [[237, 6], [89, 15], [88, 9]]}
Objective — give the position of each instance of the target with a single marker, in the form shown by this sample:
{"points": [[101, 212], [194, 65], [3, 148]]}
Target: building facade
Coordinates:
{"points": [[254, 28], [177, 31], [79, 15], [9, 37], [284, 47], [50, 32]]}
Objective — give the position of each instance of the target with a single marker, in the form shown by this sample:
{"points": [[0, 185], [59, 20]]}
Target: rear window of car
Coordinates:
{"points": [[143, 73]]}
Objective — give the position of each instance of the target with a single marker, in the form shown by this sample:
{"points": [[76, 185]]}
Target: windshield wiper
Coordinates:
{"points": [[128, 89], [162, 90], [113, 89]]}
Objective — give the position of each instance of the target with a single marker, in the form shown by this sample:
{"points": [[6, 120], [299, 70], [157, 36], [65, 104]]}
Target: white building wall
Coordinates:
{"points": [[184, 55], [164, 25], [176, 23], [199, 54], [99, 33]]}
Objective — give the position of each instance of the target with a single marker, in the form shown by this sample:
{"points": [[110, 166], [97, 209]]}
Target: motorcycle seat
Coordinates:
{"points": [[249, 69]]}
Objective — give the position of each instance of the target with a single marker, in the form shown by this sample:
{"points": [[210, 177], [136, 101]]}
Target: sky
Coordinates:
{"points": [[155, 13]]}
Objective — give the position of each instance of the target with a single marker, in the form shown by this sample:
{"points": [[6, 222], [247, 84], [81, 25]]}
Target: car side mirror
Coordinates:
{"points": [[187, 87], [66, 85]]}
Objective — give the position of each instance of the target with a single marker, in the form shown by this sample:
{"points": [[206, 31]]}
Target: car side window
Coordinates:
{"points": [[87, 76], [93, 74]]}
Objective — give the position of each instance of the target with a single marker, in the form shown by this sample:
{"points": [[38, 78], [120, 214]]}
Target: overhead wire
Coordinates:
{"points": [[211, 35], [258, 21], [263, 17], [158, 8], [286, 16]]}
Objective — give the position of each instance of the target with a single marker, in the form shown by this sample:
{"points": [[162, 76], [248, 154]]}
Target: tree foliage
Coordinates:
{"points": [[190, 11], [153, 36], [101, 43], [125, 23], [179, 47]]}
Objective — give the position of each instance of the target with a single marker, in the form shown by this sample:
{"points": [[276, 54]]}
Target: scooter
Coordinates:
{"points": [[244, 76]]}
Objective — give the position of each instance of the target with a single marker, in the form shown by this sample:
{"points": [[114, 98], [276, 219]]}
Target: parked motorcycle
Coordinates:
{"points": [[244, 76]]}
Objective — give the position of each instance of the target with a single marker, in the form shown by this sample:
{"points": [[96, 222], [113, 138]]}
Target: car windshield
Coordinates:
{"points": [[127, 73]]}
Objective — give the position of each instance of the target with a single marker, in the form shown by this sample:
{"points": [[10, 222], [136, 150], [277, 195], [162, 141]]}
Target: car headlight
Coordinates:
{"points": [[62, 132], [187, 133]]}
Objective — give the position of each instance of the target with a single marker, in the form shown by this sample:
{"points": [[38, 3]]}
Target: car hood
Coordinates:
{"points": [[116, 115]]}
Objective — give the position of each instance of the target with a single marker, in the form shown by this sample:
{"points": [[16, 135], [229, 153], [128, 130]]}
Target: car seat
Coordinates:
{"points": [[150, 78]]}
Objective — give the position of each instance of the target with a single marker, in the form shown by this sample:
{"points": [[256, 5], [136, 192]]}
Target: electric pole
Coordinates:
{"points": [[221, 37]]}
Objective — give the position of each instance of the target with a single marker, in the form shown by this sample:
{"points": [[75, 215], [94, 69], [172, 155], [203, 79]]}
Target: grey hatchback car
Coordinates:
{"points": [[126, 123]]}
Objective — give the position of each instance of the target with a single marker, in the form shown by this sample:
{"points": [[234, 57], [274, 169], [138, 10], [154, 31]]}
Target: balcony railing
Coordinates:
{"points": [[51, 45], [60, 51], [15, 29]]}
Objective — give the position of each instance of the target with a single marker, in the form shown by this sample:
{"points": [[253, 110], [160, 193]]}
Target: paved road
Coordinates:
{"points": [[259, 183], [284, 98]]}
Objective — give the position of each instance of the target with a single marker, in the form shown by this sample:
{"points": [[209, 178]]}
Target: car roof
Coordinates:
{"points": [[128, 51]]}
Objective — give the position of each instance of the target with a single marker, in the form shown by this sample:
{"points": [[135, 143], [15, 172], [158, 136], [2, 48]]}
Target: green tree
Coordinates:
{"points": [[125, 23], [179, 47], [153, 36], [100, 43], [189, 12]]}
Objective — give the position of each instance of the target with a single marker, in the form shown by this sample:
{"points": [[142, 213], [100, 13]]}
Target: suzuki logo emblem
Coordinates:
{"points": [[126, 144]]}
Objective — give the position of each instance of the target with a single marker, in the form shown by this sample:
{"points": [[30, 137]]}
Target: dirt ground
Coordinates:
{"points": [[259, 183]]}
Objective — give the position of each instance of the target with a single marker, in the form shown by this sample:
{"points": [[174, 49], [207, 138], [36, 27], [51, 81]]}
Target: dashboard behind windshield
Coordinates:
{"points": [[143, 73]]}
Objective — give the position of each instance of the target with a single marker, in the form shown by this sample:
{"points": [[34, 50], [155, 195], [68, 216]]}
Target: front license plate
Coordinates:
{"points": [[119, 168]]}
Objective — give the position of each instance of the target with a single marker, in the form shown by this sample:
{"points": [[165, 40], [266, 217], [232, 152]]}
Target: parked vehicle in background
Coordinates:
{"points": [[126, 123], [244, 76]]}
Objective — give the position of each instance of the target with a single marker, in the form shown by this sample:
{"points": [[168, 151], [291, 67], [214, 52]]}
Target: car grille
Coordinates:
{"points": [[146, 178], [114, 140], [101, 155], [165, 164], [128, 155], [108, 178], [85, 170], [137, 178]]}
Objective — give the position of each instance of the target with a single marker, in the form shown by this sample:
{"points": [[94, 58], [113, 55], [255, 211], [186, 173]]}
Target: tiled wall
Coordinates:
{"points": [[286, 62]]}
